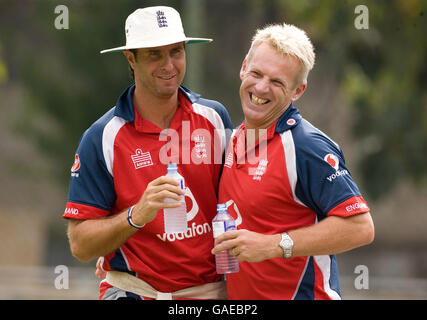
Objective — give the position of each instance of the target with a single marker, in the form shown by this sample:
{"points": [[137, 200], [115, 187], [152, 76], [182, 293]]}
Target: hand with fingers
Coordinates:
{"points": [[99, 272], [248, 245], [153, 198]]}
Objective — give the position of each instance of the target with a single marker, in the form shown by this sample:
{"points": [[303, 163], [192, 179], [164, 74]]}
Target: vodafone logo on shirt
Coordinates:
{"points": [[76, 166], [233, 210], [334, 163], [193, 229], [332, 160]]}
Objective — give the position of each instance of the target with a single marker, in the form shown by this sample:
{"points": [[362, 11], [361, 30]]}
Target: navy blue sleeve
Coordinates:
{"points": [[91, 184], [323, 178]]}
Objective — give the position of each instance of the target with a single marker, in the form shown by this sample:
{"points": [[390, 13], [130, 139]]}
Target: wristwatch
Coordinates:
{"points": [[286, 244]]}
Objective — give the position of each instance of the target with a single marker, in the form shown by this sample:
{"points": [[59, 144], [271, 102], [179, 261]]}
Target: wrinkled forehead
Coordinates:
{"points": [[266, 58], [278, 48]]}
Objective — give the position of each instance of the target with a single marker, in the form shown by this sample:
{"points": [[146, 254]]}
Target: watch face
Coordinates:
{"points": [[287, 243]]}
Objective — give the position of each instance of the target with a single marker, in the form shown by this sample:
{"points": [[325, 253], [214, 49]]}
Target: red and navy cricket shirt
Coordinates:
{"points": [[294, 177], [121, 153]]}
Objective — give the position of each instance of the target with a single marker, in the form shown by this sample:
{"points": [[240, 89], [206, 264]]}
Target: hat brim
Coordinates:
{"points": [[157, 44]]}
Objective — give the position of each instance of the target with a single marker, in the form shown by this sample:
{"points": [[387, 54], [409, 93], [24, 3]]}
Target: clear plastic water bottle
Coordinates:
{"points": [[225, 263], [175, 219]]}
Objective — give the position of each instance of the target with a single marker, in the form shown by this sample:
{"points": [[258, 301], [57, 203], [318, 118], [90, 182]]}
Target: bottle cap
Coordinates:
{"points": [[172, 166], [221, 206]]}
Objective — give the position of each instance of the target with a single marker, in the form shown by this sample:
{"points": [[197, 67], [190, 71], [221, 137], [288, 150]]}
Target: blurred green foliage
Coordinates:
{"points": [[381, 71]]}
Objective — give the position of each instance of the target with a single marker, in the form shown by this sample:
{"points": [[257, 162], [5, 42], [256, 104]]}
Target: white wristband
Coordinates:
{"points": [[131, 223]]}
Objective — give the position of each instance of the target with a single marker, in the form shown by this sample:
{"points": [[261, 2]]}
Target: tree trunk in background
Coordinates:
{"points": [[193, 17]]}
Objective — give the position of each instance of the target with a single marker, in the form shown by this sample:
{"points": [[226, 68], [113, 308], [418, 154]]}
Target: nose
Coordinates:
{"points": [[262, 85], [167, 64]]}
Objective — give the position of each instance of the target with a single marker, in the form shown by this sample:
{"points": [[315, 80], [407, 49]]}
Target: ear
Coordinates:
{"points": [[130, 57], [243, 69], [299, 91]]}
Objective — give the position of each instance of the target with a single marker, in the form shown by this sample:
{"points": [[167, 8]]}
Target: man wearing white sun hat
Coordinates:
{"points": [[118, 181], [154, 27]]}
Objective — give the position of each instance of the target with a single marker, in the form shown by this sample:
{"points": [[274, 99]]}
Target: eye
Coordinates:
{"points": [[279, 83], [153, 54], [176, 50], [255, 74]]}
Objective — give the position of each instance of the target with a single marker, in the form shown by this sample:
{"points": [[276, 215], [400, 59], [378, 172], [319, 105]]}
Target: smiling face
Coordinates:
{"points": [[269, 84], [159, 71]]}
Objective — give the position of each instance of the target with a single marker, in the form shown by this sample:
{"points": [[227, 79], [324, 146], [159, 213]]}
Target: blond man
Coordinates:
{"points": [[286, 183]]}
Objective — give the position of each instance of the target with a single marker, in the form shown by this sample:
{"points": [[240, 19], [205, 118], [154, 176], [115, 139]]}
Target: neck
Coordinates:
{"points": [[158, 110], [253, 135]]}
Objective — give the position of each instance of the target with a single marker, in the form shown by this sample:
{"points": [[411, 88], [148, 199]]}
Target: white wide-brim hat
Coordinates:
{"points": [[154, 27]]}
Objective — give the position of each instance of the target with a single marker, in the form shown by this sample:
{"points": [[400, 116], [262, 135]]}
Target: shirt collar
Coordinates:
{"points": [[240, 152], [124, 105], [289, 119]]}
